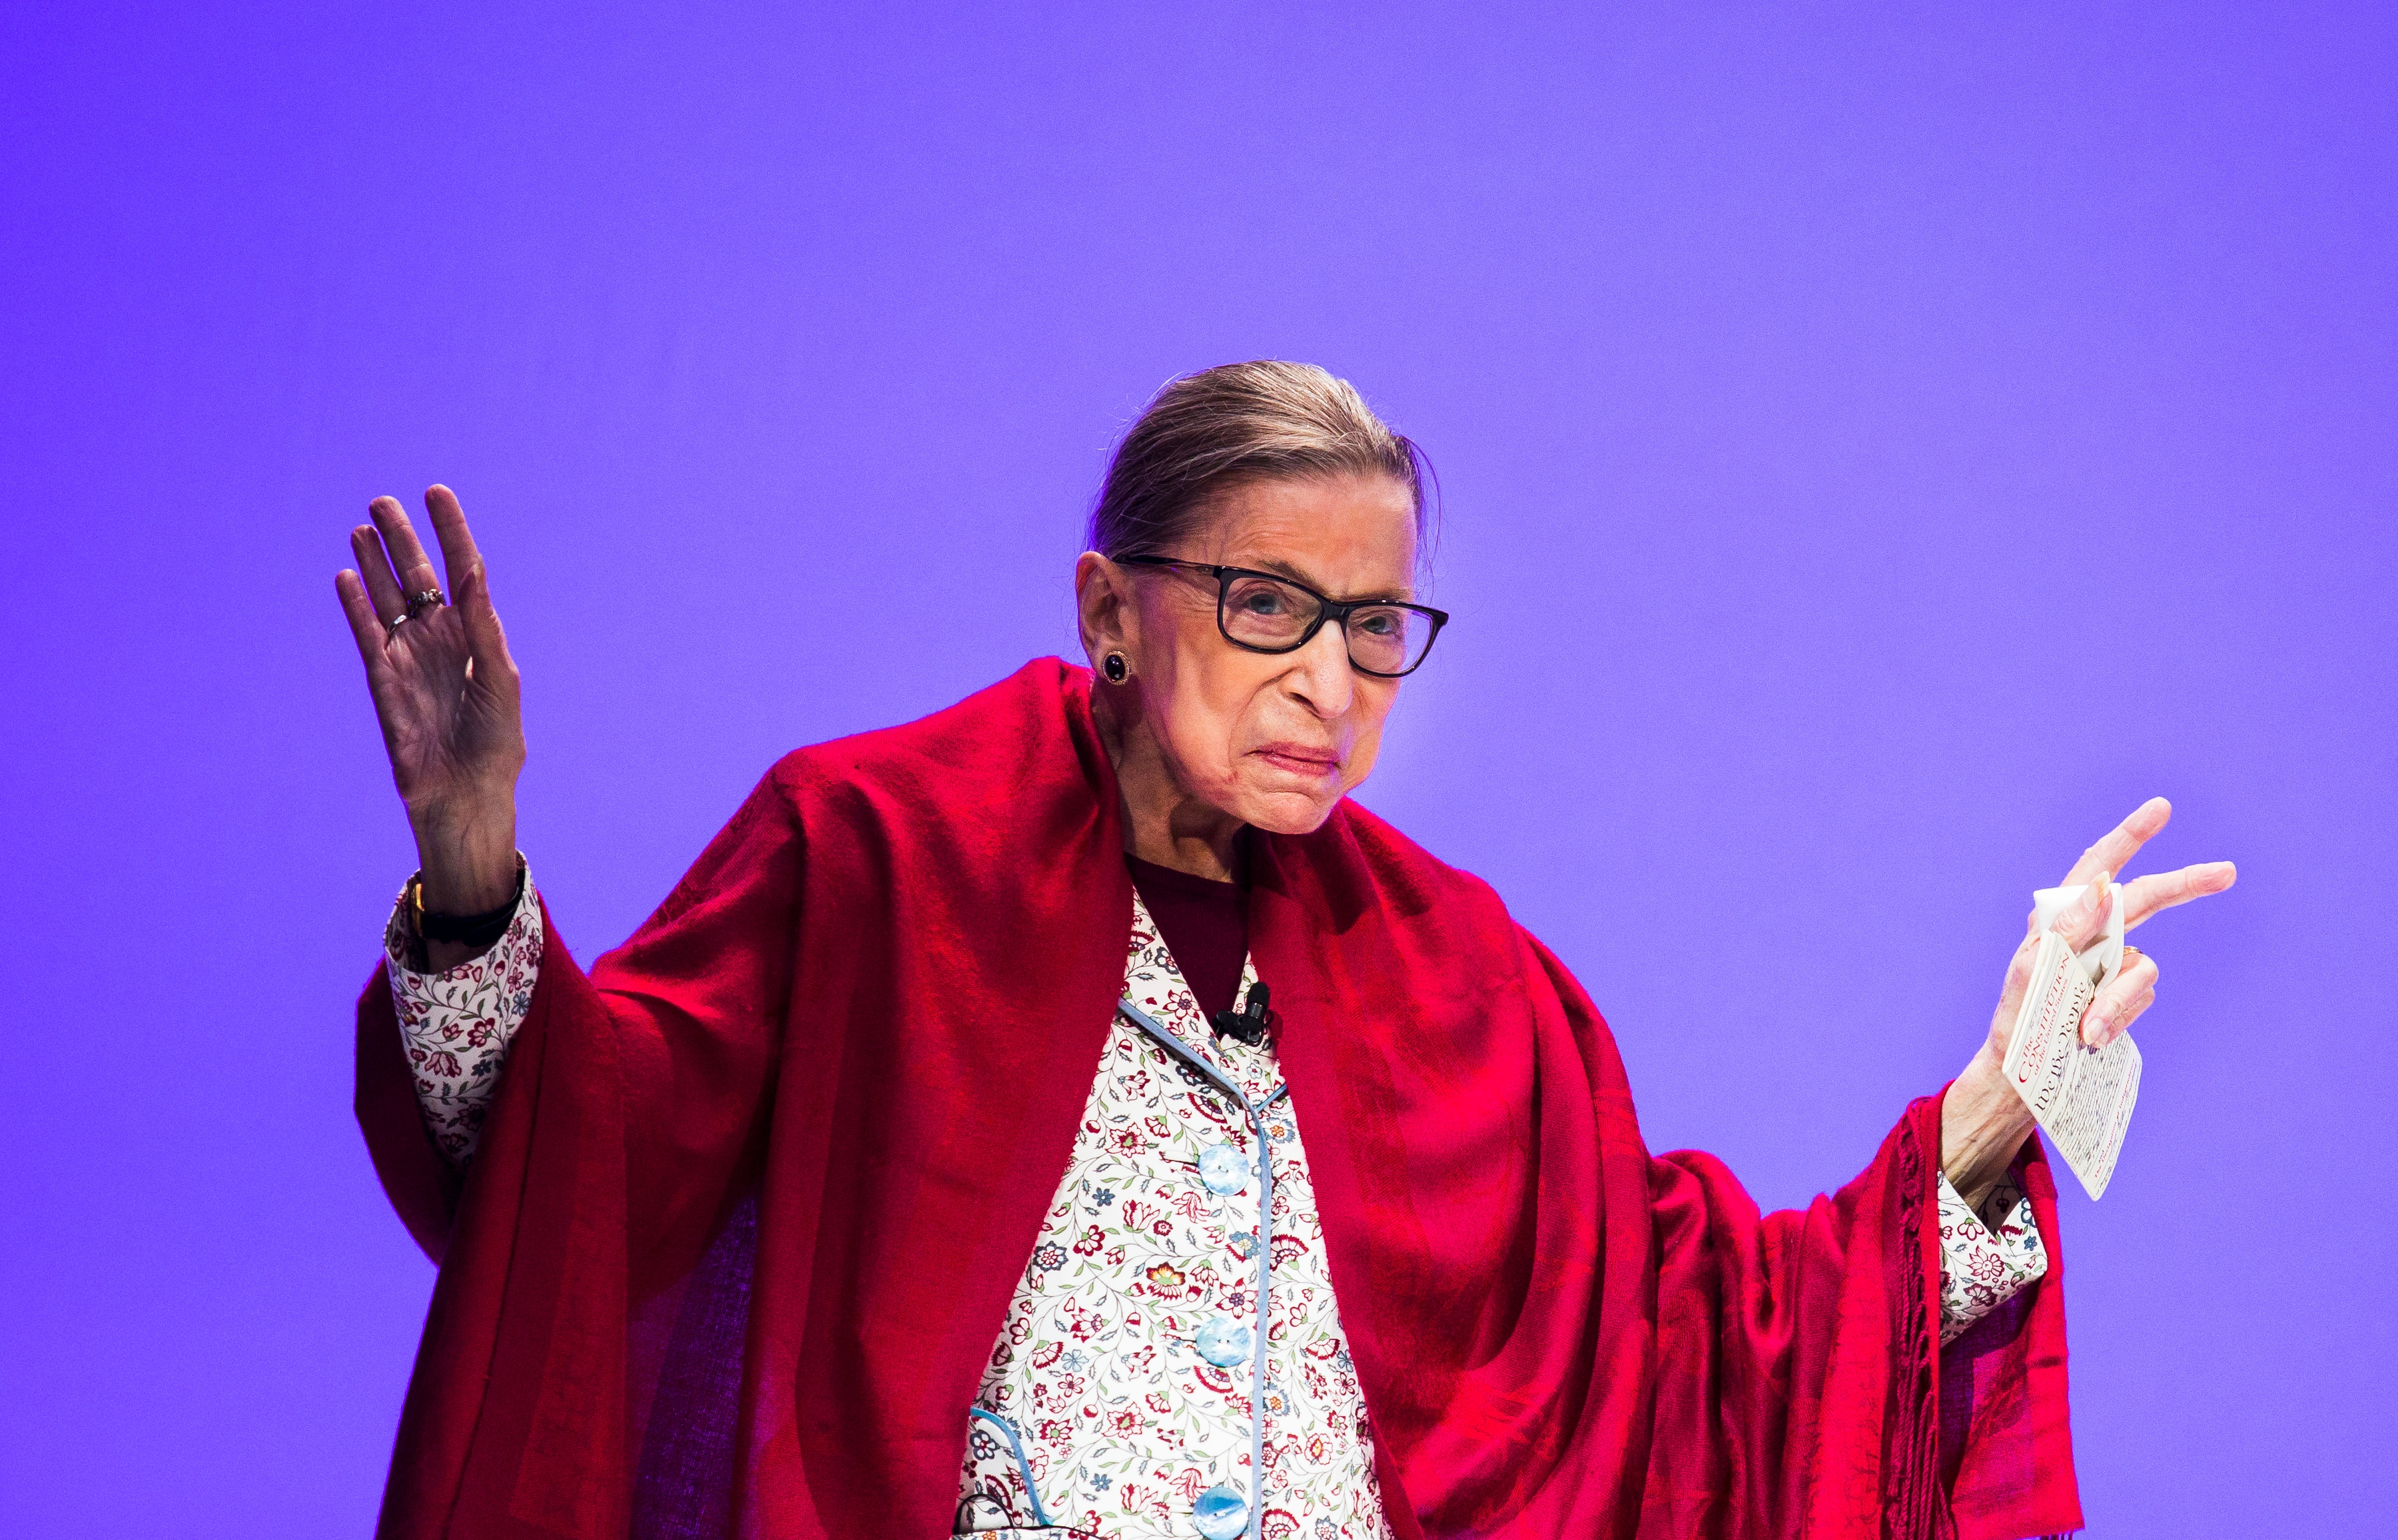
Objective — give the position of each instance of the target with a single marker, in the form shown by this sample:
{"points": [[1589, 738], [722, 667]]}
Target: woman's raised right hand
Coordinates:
{"points": [[447, 694]]}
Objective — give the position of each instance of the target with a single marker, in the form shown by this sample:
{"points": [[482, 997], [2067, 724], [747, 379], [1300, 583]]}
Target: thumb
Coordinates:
{"points": [[2085, 919]]}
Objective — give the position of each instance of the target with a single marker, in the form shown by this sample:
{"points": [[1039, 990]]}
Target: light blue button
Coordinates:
{"points": [[1224, 1341], [1220, 1513], [1224, 1168]]}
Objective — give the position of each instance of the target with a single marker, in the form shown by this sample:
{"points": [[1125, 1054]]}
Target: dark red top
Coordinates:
{"points": [[1204, 922]]}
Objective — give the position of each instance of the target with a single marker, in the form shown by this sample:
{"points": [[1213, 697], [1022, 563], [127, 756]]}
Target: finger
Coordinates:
{"points": [[374, 569], [408, 562], [2132, 1012], [458, 552], [2085, 919], [2110, 1013], [2119, 844], [2164, 890], [365, 623], [470, 586]]}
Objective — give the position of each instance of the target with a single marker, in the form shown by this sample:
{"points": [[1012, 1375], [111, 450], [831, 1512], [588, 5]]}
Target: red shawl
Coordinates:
{"points": [[754, 1197]]}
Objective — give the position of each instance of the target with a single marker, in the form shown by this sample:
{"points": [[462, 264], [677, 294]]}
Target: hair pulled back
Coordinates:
{"points": [[1204, 434]]}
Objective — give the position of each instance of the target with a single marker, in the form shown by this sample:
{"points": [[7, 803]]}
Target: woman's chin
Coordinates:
{"points": [[1287, 812]]}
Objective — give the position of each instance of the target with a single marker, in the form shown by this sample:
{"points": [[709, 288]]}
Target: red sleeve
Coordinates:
{"points": [[625, 1127], [694, 1003], [422, 1185], [1799, 1339], [1799, 1383]]}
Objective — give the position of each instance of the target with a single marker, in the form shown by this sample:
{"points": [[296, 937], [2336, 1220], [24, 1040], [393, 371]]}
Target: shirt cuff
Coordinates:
{"points": [[1986, 1258], [455, 1026]]}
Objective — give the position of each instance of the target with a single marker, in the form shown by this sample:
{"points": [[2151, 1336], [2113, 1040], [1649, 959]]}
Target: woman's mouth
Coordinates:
{"points": [[1300, 759]]}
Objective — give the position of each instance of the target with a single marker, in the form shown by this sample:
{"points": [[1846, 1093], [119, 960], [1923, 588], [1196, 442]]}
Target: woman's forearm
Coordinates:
{"points": [[467, 856], [1983, 1123]]}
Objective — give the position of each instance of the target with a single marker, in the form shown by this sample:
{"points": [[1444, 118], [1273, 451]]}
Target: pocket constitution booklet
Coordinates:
{"points": [[2081, 1097]]}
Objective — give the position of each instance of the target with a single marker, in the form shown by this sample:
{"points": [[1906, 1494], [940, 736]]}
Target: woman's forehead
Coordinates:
{"points": [[1344, 535]]}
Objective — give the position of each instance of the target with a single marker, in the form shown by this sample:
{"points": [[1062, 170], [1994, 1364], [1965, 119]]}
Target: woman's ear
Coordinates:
{"points": [[1104, 609]]}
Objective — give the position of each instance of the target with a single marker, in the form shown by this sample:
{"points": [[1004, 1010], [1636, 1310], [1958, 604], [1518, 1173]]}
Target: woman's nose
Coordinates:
{"points": [[1324, 678]]}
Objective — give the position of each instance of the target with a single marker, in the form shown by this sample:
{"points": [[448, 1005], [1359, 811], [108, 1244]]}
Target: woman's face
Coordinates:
{"points": [[1269, 739]]}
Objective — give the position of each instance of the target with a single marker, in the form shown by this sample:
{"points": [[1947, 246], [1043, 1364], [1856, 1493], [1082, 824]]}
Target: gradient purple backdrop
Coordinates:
{"points": [[1877, 453]]}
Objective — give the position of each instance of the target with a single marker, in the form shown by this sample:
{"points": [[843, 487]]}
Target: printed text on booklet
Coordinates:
{"points": [[2080, 1097]]}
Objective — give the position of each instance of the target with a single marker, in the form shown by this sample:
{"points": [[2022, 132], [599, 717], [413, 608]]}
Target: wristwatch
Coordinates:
{"points": [[473, 930]]}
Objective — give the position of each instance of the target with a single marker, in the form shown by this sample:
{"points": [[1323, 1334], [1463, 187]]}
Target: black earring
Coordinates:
{"points": [[1115, 669]]}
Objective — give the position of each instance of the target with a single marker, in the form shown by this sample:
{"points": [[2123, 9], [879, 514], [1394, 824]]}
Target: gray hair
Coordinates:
{"points": [[1204, 434]]}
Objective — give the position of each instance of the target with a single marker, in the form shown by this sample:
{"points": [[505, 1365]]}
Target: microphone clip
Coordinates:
{"points": [[1249, 1023]]}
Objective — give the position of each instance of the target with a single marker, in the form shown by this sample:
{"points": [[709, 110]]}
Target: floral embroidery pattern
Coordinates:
{"points": [[456, 1026], [1125, 1421], [1984, 1258]]}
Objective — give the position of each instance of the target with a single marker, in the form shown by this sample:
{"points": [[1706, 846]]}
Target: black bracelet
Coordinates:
{"points": [[472, 930]]}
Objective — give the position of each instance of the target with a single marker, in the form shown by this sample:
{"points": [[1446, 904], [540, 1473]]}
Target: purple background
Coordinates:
{"points": [[1879, 453]]}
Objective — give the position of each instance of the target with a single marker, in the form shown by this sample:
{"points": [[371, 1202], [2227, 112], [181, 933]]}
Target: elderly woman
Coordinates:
{"points": [[1069, 1114]]}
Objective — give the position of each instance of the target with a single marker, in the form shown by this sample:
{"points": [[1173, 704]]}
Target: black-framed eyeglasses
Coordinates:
{"points": [[1266, 614]]}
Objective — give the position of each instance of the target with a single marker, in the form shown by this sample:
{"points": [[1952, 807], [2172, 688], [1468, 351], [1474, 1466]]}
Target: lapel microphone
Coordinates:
{"points": [[1249, 1023]]}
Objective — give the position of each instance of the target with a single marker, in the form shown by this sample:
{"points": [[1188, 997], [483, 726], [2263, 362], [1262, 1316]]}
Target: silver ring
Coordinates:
{"points": [[397, 622], [424, 599]]}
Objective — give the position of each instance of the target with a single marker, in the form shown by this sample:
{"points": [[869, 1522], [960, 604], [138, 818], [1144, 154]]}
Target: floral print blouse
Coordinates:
{"points": [[1123, 1393], [1127, 1398], [456, 1026], [1984, 1257]]}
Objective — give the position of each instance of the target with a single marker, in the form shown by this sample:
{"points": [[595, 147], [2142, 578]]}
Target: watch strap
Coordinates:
{"points": [[473, 930]]}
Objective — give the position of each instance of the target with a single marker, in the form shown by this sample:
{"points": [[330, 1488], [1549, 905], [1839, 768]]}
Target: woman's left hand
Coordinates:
{"points": [[1982, 1121]]}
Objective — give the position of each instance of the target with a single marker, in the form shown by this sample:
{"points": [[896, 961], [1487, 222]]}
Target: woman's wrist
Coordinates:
{"points": [[1983, 1124], [467, 856]]}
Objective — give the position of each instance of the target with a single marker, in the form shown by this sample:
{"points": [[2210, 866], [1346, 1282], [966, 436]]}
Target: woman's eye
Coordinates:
{"points": [[1263, 601], [1378, 623]]}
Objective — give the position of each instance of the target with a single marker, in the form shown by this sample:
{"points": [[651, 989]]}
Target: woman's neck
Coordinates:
{"points": [[1163, 824]]}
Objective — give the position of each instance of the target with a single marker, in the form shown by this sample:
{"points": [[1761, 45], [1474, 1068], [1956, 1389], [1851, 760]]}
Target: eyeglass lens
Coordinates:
{"points": [[1386, 639]]}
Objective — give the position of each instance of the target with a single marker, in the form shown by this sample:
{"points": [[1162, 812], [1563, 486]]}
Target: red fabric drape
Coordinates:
{"points": [[813, 1111]]}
